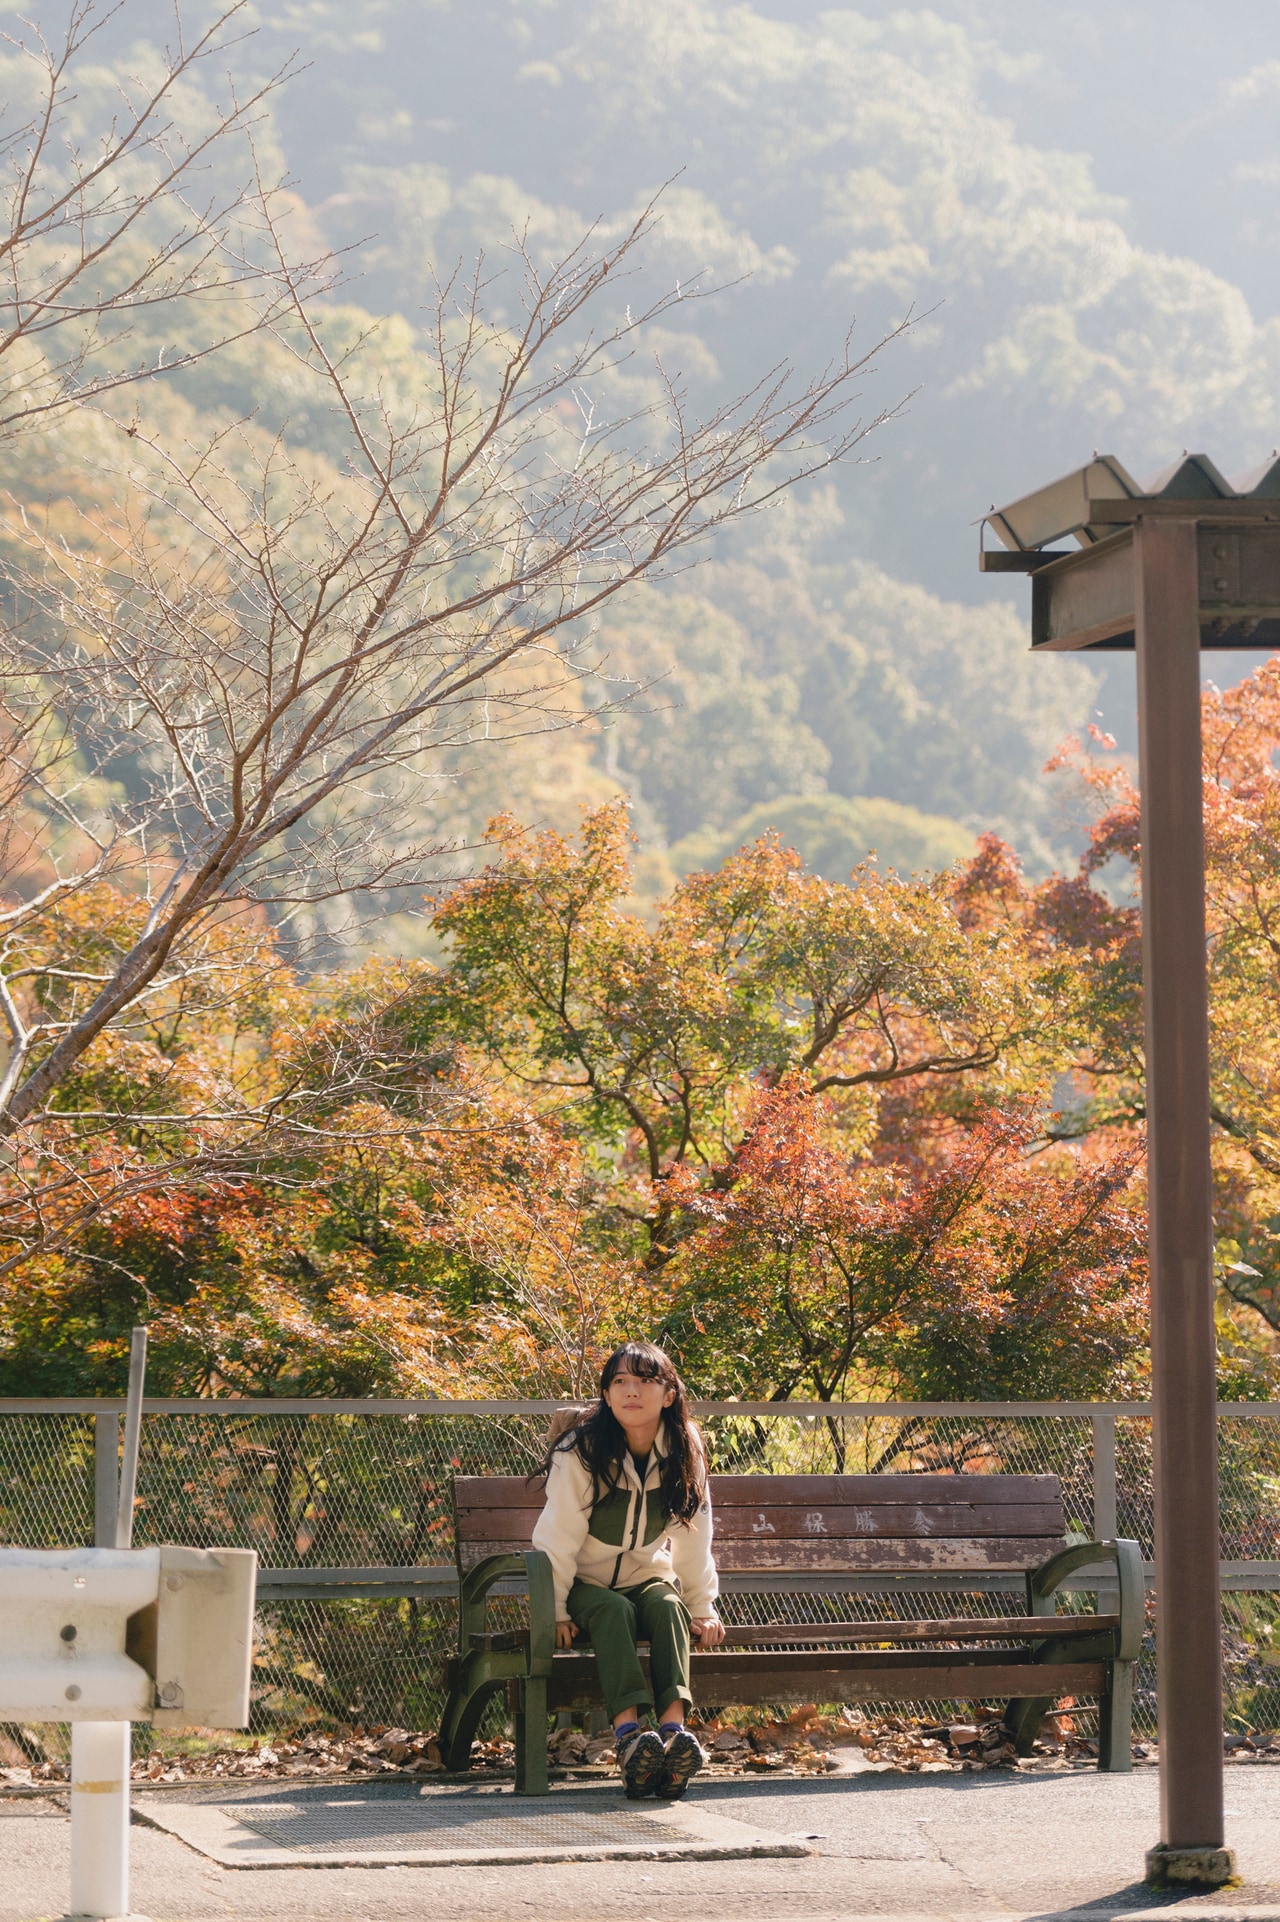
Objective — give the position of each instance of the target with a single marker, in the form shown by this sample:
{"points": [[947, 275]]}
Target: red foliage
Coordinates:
{"points": [[1002, 1270]]}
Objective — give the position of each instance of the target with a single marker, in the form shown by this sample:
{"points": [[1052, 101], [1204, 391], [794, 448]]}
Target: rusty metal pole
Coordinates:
{"points": [[1175, 994]]}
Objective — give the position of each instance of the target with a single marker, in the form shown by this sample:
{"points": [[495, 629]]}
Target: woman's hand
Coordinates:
{"points": [[708, 1631], [565, 1632]]}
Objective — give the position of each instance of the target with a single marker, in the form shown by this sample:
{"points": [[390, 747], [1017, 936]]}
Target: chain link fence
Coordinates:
{"points": [[358, 1494]]}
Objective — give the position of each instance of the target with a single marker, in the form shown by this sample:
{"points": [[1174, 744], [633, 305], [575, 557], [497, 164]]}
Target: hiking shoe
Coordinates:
{"points": [[684, 1757], [642, 1759]]}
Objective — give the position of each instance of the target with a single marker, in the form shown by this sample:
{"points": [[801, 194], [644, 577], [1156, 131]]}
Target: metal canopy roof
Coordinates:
{"points": [[1085, 596], [1089, 503]]}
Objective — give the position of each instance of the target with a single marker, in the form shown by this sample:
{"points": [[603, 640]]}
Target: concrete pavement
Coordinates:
{"points": [[963, 1846]]}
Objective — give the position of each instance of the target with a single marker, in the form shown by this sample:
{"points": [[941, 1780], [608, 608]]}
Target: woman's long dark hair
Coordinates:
{"points": [[599, 1440]]}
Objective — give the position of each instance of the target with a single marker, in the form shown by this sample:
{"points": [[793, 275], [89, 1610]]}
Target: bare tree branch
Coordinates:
{"points": [[220, 702], [112, 211], [272, 652]]}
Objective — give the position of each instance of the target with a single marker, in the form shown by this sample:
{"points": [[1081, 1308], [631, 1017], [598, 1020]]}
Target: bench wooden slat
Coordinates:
{"points": [[1043, 1519], [737, 1491], [471, 1492], [996, 1628], [886, 1556], [845, 1661], [847, 1556], [479, 1493], [1002, 1628], [896, 1519], [854, 1677]]}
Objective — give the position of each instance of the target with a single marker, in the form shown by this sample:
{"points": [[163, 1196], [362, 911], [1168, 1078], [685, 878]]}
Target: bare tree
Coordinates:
{"points": [[122, 210], [230, 707]]}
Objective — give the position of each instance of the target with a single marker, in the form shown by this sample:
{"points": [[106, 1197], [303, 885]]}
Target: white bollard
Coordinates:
{"points": [[100, 1754]]}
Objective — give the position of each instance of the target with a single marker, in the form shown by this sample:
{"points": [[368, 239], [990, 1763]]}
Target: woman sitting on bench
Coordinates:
{"points": [[627, 1515]]}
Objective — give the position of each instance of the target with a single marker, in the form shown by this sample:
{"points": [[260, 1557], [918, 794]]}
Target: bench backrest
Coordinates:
{"points": [[814, 1524]]}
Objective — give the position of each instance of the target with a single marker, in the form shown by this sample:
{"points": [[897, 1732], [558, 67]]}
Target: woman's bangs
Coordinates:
{"points": [[639, 1359]]}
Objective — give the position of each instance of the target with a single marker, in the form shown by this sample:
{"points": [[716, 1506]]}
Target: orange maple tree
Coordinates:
{"points": [[821, 1138], [995, 1273]]}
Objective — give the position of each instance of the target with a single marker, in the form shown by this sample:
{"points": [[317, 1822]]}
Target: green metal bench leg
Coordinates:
{"points": [[531, 1737], [1115, 1722], [459, 1723]]}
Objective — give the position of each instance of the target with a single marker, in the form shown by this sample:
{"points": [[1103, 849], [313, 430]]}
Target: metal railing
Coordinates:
{"points": [[347, 1504]]}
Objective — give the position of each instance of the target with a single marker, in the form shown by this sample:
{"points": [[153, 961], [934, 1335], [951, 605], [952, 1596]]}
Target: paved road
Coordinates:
{"points": [[967, 1847]]}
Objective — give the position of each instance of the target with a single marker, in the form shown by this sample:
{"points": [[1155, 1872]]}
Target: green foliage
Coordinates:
{"points": [[757, 969], [795, 670], [501, 1163], [833, 834]]}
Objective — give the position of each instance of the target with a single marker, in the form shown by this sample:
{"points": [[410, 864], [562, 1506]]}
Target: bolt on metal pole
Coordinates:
{"points": [[101, 1751], [1175, 996]]}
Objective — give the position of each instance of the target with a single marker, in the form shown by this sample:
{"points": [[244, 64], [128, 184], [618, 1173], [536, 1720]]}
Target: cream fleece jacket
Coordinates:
{"points": [[626, 1538]]}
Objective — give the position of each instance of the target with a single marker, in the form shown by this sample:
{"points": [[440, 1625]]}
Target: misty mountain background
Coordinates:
{"points": [[1082, 202]]}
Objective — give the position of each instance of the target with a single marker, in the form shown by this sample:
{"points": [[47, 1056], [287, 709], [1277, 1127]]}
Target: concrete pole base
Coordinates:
{"points": [[1190, 1868]]}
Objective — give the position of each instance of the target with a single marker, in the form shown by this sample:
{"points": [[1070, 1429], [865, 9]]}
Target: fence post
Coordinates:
{"points": [[106, 1479], [128, 1483], [1105, 1525], [1105, 1521]]}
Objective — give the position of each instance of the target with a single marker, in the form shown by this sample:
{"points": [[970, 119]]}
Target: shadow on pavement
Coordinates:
{"points": [[1141, 1896], [709, 1786]]}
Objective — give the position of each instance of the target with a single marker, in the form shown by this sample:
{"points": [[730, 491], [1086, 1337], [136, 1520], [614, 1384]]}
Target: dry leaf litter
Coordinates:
{"points": [[807, 1743]]}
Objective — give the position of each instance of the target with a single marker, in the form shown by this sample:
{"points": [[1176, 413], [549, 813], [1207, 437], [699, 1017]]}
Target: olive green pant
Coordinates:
{"points": [[613, 1618]]}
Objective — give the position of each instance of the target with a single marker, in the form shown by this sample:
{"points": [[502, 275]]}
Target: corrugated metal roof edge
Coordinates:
{"points": [[1061, 508]]}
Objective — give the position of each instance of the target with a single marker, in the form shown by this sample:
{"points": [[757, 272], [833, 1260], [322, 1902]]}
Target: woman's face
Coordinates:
{"points": [[636, 1401]]}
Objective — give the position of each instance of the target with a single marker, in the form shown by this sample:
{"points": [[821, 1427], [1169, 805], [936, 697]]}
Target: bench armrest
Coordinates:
{"points": [[473, 1595], [1126, 1557]]}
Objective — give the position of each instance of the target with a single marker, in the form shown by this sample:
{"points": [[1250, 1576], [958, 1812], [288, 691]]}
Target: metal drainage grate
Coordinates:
{"points": [[316, 1826], [376, 1826]]}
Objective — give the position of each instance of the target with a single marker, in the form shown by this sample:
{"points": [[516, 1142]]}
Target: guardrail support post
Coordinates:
{"points": [[101, 1751], [100, 1818]]}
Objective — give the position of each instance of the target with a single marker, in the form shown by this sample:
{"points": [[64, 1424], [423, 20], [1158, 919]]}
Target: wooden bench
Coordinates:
{"points": [[823, 1532]]}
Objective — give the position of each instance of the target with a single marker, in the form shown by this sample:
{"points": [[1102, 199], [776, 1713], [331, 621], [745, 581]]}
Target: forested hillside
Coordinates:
{"points": [[822, 168], [470, 616], [1083, 220]]}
